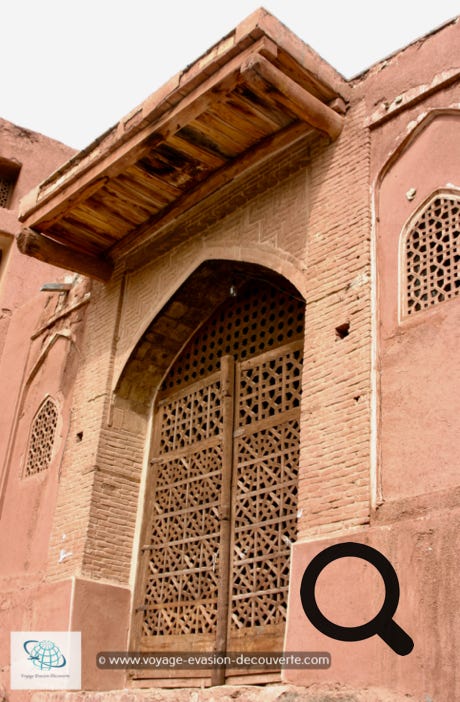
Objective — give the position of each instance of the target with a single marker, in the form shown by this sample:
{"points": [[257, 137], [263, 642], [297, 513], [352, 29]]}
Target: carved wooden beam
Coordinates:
{"points": [[32, 243]]}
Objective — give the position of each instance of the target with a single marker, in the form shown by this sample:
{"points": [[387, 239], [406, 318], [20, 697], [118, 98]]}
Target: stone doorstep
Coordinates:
{"points": [[231, 693]]}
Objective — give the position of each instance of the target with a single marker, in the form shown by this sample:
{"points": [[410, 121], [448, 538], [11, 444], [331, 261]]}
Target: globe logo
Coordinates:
{"points": [[44, 654]]}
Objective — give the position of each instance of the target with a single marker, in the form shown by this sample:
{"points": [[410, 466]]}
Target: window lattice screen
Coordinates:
{"points": [[9, 172], [42, 438], [432, 255], [6, 186]]}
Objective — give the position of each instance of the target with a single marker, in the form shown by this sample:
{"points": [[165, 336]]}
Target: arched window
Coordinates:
{"points": [[431, 255], [41, 439]]}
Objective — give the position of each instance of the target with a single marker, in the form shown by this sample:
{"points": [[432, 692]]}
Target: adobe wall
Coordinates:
{"points": [[327, 217], [285, 218], [29, 370], [37, 157], [22, 311], [412, 105]]}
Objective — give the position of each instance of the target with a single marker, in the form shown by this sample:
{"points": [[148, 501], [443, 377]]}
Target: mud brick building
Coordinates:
{"points": [[233, 341]]}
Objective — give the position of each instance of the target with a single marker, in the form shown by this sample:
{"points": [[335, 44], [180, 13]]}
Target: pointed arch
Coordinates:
{"points": [[414, 131], [206, 288]]}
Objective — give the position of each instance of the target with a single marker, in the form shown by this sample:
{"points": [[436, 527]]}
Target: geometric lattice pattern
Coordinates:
{"points": [[265, 489], [265, 525], [432, 255], [42, 438], [181, 587], [270, 386], [6, 187], [263, 330], [191, 417], [258, 319]]}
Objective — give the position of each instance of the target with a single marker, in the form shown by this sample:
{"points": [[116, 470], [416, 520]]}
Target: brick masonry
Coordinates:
{"points": [[328, 218], [296, 228]]}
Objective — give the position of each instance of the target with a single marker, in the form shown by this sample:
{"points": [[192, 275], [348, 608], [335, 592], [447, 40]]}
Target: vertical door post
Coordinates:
{"points": [[228, 391]]}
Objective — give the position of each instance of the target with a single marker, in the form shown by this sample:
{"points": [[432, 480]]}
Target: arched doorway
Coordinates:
{"points": [[221, 505]]}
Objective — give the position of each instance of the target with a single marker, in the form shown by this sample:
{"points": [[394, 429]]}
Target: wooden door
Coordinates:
{"points": [[264, 496], [221, 514]]}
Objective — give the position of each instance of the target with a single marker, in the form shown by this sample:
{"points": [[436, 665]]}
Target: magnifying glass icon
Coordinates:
{"points": [[382, 624]]}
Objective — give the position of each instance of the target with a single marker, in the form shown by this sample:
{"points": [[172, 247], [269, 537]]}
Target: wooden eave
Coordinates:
{"points": [[252, 94]]}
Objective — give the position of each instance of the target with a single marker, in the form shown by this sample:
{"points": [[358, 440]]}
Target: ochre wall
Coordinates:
{"points": [[27, 602], [378, 405], [37, 157], [414, 519]]}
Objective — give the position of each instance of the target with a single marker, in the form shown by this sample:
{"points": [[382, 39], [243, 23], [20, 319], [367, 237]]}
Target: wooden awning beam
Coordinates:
{"points": [[250, 96], [303, 104], [32, 243], [221, 177], [80, 183]]}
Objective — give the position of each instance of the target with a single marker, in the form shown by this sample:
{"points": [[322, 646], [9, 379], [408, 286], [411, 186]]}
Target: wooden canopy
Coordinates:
{"points": [[252, 94]]}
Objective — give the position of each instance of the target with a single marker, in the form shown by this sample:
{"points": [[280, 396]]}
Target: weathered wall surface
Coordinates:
{"points": [[420, 375], [380, 393], [412, 103], [50, 364], [421, 545], [334, 478], [29, 370], [37, 156]]}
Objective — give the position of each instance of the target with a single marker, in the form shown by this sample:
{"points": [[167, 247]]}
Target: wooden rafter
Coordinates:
{"points": [[253, 94]]}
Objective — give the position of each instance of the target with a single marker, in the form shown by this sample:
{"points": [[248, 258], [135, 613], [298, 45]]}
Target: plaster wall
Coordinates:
{"points": [[419, 368], [26, 602], [422, 548], [414, 136], [378, 439], [36, 156]]}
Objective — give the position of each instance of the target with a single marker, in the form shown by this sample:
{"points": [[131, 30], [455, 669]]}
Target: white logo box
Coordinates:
{"points": [[45, 660]]}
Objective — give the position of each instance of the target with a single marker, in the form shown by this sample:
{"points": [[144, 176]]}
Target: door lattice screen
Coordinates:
{"points": [[181, 585], [223, 497], [265, 487]]}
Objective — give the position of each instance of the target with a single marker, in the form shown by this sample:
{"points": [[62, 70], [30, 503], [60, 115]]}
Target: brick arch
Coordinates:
{"points": [[125, 435], [159, 283], [191, 305]]}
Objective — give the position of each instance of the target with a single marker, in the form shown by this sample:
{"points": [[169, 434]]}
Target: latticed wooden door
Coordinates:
{"points": [[221, 514], [264, 496]]}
